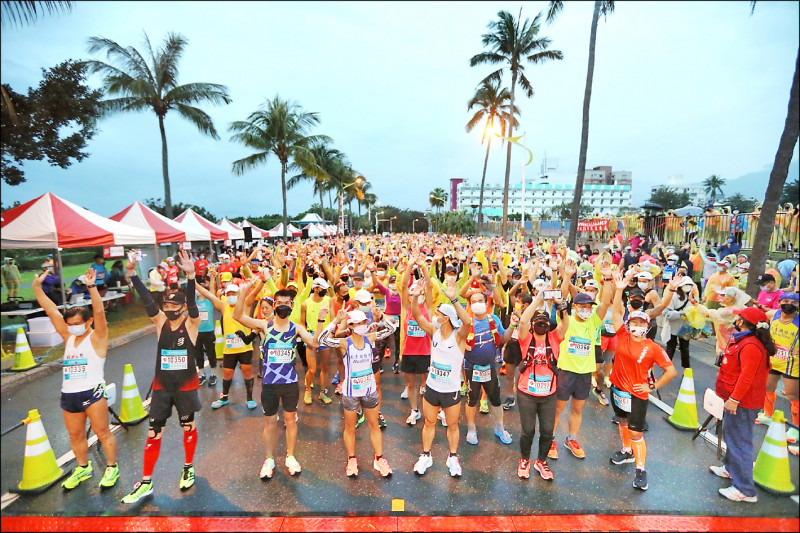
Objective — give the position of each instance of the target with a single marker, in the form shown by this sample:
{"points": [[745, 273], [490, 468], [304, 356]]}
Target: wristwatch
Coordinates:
{"points": [[91, 286]]}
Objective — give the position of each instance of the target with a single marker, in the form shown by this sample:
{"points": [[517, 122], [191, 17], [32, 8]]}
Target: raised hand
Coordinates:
{"points": [[38, 279], [418, 288], [90, 275], [619, 282], [185, 262], [131, 260]]}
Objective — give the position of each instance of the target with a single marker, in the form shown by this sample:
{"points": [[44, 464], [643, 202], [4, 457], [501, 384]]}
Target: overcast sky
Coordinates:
{"points": [[691, 88]]}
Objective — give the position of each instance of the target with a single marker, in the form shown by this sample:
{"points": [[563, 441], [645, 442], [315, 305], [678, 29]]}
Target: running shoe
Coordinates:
{"points": [[794, 449], [524, 469], [251, 404], [733, 494], [140, 490], [442, 419], [81, 473], [216, 404], [621, 457], [187, 477], [387, 353], [791, 435], [335, 379], [762, 419], [267, 469], [502, 371], [575, 448], [640, 480], [381, 421], [601, 396], [607, 382], [212, 381], [424, 462], [404, 394], [553, 453], [464, 389], [509, 403], [454, 465], [544, 470], [720, 471], [504, 436], [293, 466], [338, 390], [413, 417], [484, 407], [472, 438], [110, 477], [382, 466], [201, 380], [307, 397], [323, 397], [352, 467], [395, 368], [361, 418]]}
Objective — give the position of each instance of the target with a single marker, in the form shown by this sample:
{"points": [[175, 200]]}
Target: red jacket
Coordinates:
{"points": [[743, 373]]}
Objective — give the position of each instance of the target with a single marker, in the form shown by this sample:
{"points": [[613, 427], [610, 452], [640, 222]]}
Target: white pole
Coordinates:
{"points": [[522, 230]]}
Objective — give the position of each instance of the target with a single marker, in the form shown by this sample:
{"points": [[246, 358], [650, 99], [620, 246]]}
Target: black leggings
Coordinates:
{"points": [[205, 348], [531, 407], [684, 347]]}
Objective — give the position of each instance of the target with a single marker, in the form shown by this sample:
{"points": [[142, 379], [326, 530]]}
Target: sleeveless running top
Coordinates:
{"points": [[82, 367], [278, 353], [312, 314], [417, 341], [206, 309], [444, 374], [175, 368], [233, 343], [785, 337], [359, 380]]}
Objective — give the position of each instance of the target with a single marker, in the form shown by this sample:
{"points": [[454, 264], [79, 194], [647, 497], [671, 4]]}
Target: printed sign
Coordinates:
{"points": [[593, 225]]}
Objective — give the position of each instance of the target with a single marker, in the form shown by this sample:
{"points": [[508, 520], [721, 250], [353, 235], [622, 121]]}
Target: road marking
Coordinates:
{"points": [[9, 498]]}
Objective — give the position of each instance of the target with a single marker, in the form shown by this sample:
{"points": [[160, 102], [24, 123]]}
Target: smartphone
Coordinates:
{"points": [[550, 294]]}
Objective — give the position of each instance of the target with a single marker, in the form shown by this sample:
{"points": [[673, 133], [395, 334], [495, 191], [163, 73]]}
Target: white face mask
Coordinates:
{"points": [[638, 331], [393, 287], [584, 314], [593, 295], [421, 299], [437, 324], [361, 329], [380, 273], [763, 287], [643, 285], [77, 330], [479, 308], [687, 289], [231, 299]]}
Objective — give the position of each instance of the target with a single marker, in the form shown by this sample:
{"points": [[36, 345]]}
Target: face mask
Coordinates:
{"points": [[358, 284], [283, 310], [687, 289], [231, 299], [380, 273], [636, 304], [541, 328], [762, 287], [789, 309], [173, 315], [670, 262], [643, 285], [592, 294], [737, 326], [393, 287], [361, 329], [346, 296], [421, 299], [227, 261], [202, 257], [720, 269], [479, 308], [638, 331], [363, 308], [437, 324], [321, 292], [77, 330], [584, 314], [730, 241]]}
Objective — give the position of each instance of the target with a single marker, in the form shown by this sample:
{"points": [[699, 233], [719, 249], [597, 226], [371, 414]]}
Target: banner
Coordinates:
{"points": [[600, 224], [113, 251]]}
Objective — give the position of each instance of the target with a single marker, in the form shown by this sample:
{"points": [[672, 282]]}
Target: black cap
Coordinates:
{"points": [[766, 278], [636, 292], [175, 298], [449, 269], [541, 316]]}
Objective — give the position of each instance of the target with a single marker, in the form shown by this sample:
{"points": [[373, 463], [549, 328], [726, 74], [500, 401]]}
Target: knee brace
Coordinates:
{"points": [[187, 422], [156, 426]]}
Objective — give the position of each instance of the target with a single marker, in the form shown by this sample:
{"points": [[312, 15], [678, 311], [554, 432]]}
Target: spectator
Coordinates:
{"points": [[730, 247], [117, 275], [769, 296], [52, 283], [157, 278], [201, 266], [786, 267], [11, 277], [101, 274], [172, 274]]}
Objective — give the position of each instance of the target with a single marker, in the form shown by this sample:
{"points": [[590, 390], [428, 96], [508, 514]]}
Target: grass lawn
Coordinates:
{"points": [[70, 274]]}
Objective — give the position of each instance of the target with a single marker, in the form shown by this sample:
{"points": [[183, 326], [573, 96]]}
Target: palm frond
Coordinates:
{"points": [[193, 93], [115, 105], [548, 55], [476, 118], [526, 85], [128, 61], [606, 8], [21, 12], [486, 57], [240, 166], [199, 118], [167, 58], [554, 8]]}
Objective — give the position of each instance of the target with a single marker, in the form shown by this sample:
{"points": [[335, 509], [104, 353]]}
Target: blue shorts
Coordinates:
{"points": [[78, 402]]}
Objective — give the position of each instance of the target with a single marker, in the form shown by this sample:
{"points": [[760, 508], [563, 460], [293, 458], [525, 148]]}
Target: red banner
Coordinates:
{"points": [[600, 224]]}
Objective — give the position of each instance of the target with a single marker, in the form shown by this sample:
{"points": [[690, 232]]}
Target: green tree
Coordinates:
{"points": [[157, 205], [62, 103], [455, 222], [493, 107], [437, 197], [154, 86], [563, 211], [740, 203], [279, 128], [713, 185], [604, 7], [791, 192], [669, 198], [512, 44], [325, 158]]}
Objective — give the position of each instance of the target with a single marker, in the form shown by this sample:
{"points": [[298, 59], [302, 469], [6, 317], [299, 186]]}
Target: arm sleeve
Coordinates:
{"points": [[191, 303], [385, 329], [326, 338], [144, 294]]}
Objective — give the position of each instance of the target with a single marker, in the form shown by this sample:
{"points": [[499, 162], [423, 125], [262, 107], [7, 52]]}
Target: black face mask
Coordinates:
{"points": [[346, 297], [636, 304], [541, 328], [789, 309], [737, 327], [345, 279], [321, 292], [283, 310], [173, 315]]}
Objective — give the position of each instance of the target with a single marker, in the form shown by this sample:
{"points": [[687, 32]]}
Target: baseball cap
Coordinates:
{"points": [[363, 296], [583, 298], [163, 264], [637, 292], [540, 315], [730, 292], [724, 262], [786, 295], [232, 287], [358, 275], [475, 260], [226, 276], [645, 275], [591, 283], [356, 317], [539, 284], [177, 298], [639, 314], [320, 283], [754, 315], [450, 312], [766, 278]]}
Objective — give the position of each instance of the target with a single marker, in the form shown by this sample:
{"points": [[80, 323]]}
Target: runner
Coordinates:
{"points": [[359, 389], [316, 357], [83, 383], [444, 378], [175, 381], [205, 339], [635, 355]]}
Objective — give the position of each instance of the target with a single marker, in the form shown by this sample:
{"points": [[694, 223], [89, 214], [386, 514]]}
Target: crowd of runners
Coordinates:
{"points": [[493, 324]]}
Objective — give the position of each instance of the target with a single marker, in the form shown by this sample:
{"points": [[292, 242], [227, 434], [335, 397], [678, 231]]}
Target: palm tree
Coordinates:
{"points": [[492, 103], [325, 158], [713, 184], [154, 86], [278, 127], [777, 178], [603, 7], [512, 45], [437, 197]]}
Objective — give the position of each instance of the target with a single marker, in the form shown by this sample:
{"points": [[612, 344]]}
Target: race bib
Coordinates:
{"points": [[203, 315], [233, 341], [481, 373], [174, 360], [622, 399], [539, 385], [362, 380], [781, 353], [667, 275], [609, 327], [414, 330], [579, 346], [75, 367], [440, 373], [280, 353]]}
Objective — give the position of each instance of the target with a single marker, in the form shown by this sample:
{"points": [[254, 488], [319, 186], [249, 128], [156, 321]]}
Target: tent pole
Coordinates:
{"points": [[61, 273]]}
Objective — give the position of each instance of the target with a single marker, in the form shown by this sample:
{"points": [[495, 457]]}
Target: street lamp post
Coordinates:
{"points": [[413, 229], [376, 220], [358, 181], [442, 199]]}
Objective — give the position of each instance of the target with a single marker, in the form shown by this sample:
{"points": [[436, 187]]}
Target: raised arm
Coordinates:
{"points": [[98, 311], [49, 306], [669, 290], [527, 315], [240, 316], [157, 317], [617, 310], [607, 292], [216, 302], [423, 323]]}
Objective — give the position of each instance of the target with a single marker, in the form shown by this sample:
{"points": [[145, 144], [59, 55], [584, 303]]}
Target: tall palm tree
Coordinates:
{"points": [[437, 197], [512, 44], [154, 86], [325, 158], [492, 103], [278, 127], [713, 184], [603, 7], [777, 178]]}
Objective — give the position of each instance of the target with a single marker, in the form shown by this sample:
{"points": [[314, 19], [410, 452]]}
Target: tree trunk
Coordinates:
{"points": [[587, 96], [283, 190], [504, 225], [777, 178], [483, 181], [165, 168], [321, 206], [330, 202]]}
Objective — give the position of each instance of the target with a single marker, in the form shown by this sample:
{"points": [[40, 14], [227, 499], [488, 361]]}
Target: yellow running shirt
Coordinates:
{"points": [[577, 348]]}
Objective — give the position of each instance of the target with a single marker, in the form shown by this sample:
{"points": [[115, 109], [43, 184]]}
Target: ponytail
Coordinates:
{"points": [[763, 335]]}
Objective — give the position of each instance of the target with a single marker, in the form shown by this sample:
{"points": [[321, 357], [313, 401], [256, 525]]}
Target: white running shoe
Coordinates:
{"points": [[267, 469], [404, 394], [454, 465], [292, 464], [442, 419], [720, 471], [424, 462], [733, 494], [413, 417]]}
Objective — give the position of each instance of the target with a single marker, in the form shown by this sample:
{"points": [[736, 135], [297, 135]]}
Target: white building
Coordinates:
{"points": [[697, 193]]}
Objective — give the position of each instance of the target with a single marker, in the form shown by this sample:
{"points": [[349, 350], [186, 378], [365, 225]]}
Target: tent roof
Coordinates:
{"points": [[192, 219], [52, 222], [141, 216], [235, 232], [310, 217], [277, 231]]}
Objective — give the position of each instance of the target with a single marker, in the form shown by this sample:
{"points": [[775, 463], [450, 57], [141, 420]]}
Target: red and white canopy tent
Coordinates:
{"points": [[192, 219], [258, 233], [52, 222], [235, 233], [166, 230], [291, 231]]}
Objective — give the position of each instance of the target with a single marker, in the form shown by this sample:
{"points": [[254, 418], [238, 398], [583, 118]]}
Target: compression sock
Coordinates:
{"points": [[152, 448], [626, 438], [795, 407], [769, 403], [189, 445], [639, 452], [248, 384], [226, 387]]}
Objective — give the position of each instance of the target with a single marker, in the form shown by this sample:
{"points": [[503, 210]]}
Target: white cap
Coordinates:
{"points": [[356, 317], [320, 283], [539, 284], [82, 278], [673, 257], [344, 271], [163, 264], [232, 287], [730, 292], [591, 283], [450, 312], [639, 314], [363, 296], [645, 275]]}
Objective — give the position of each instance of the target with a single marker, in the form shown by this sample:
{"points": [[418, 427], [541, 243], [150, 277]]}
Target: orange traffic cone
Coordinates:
{"points": [[39, 469]]}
